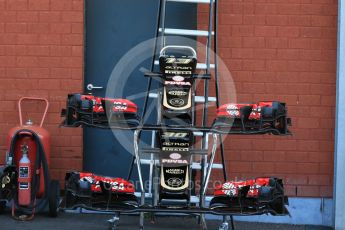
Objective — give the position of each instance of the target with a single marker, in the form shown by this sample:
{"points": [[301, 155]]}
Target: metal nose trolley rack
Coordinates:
{"points": [[207, 67], [173, 137]]}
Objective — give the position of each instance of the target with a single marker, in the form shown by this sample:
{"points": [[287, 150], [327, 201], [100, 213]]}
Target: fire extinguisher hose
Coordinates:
{"points": [[41, 161]]}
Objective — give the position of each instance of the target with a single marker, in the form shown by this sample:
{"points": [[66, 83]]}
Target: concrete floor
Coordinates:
{"points": [[70, 221]]}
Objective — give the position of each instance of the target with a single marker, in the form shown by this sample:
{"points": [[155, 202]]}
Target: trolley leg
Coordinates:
{"points": [[142, 216], [141, 221], [202, 219], [142, 188], [155, 192], [203, 222], [232, 222], [153, 218]]}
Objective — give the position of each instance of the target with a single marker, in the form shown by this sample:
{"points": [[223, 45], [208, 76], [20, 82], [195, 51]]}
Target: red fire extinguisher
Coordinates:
{"points": [[29, 152], [24, 178], [26, 138]]}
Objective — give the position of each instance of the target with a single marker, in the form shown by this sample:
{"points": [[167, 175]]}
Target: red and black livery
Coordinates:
{"points": [[98, 192], [178, 96], [264, 116], [173, 147], [263, 195], [98, 111]]}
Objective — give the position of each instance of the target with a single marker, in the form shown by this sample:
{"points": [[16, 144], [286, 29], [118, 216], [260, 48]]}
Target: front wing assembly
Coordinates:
{"points": [[260, 195], [264, 117], [83, 189], [102, 112], [251, 197]]}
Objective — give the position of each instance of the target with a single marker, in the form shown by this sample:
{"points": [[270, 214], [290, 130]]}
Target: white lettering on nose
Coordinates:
{"points": [[177, 83], [171, 161]]}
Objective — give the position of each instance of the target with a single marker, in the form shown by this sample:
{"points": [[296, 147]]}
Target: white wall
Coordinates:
{"points": [[339, 154]]}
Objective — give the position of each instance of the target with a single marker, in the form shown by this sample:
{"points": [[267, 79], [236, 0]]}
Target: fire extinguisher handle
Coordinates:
{"points": [[33, 99]]}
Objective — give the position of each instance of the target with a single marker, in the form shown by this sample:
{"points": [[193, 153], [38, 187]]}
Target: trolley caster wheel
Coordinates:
{"points": [[54, 198], [114, 223], [224, 226], [203, 225]]}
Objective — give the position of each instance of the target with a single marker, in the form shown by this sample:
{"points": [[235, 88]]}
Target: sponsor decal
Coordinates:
{"points": [[113, 184], [174, 171], [232, 189], [172, 161], [177, 93], [178, 68], [119, 105], [229, 189], [175, 156], [96, 104], [170, 60], [233, 110], [169, 144], [184, 60], [177, 83], [178, 78], [174, 182], [256, 113], [178, 60], [176, 72], [87, 179], [176, 101], [174, 134], [175, 149]]}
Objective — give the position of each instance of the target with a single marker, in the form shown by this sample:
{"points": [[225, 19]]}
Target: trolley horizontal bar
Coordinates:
{"points": [[183, 210], [149, 127]]}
